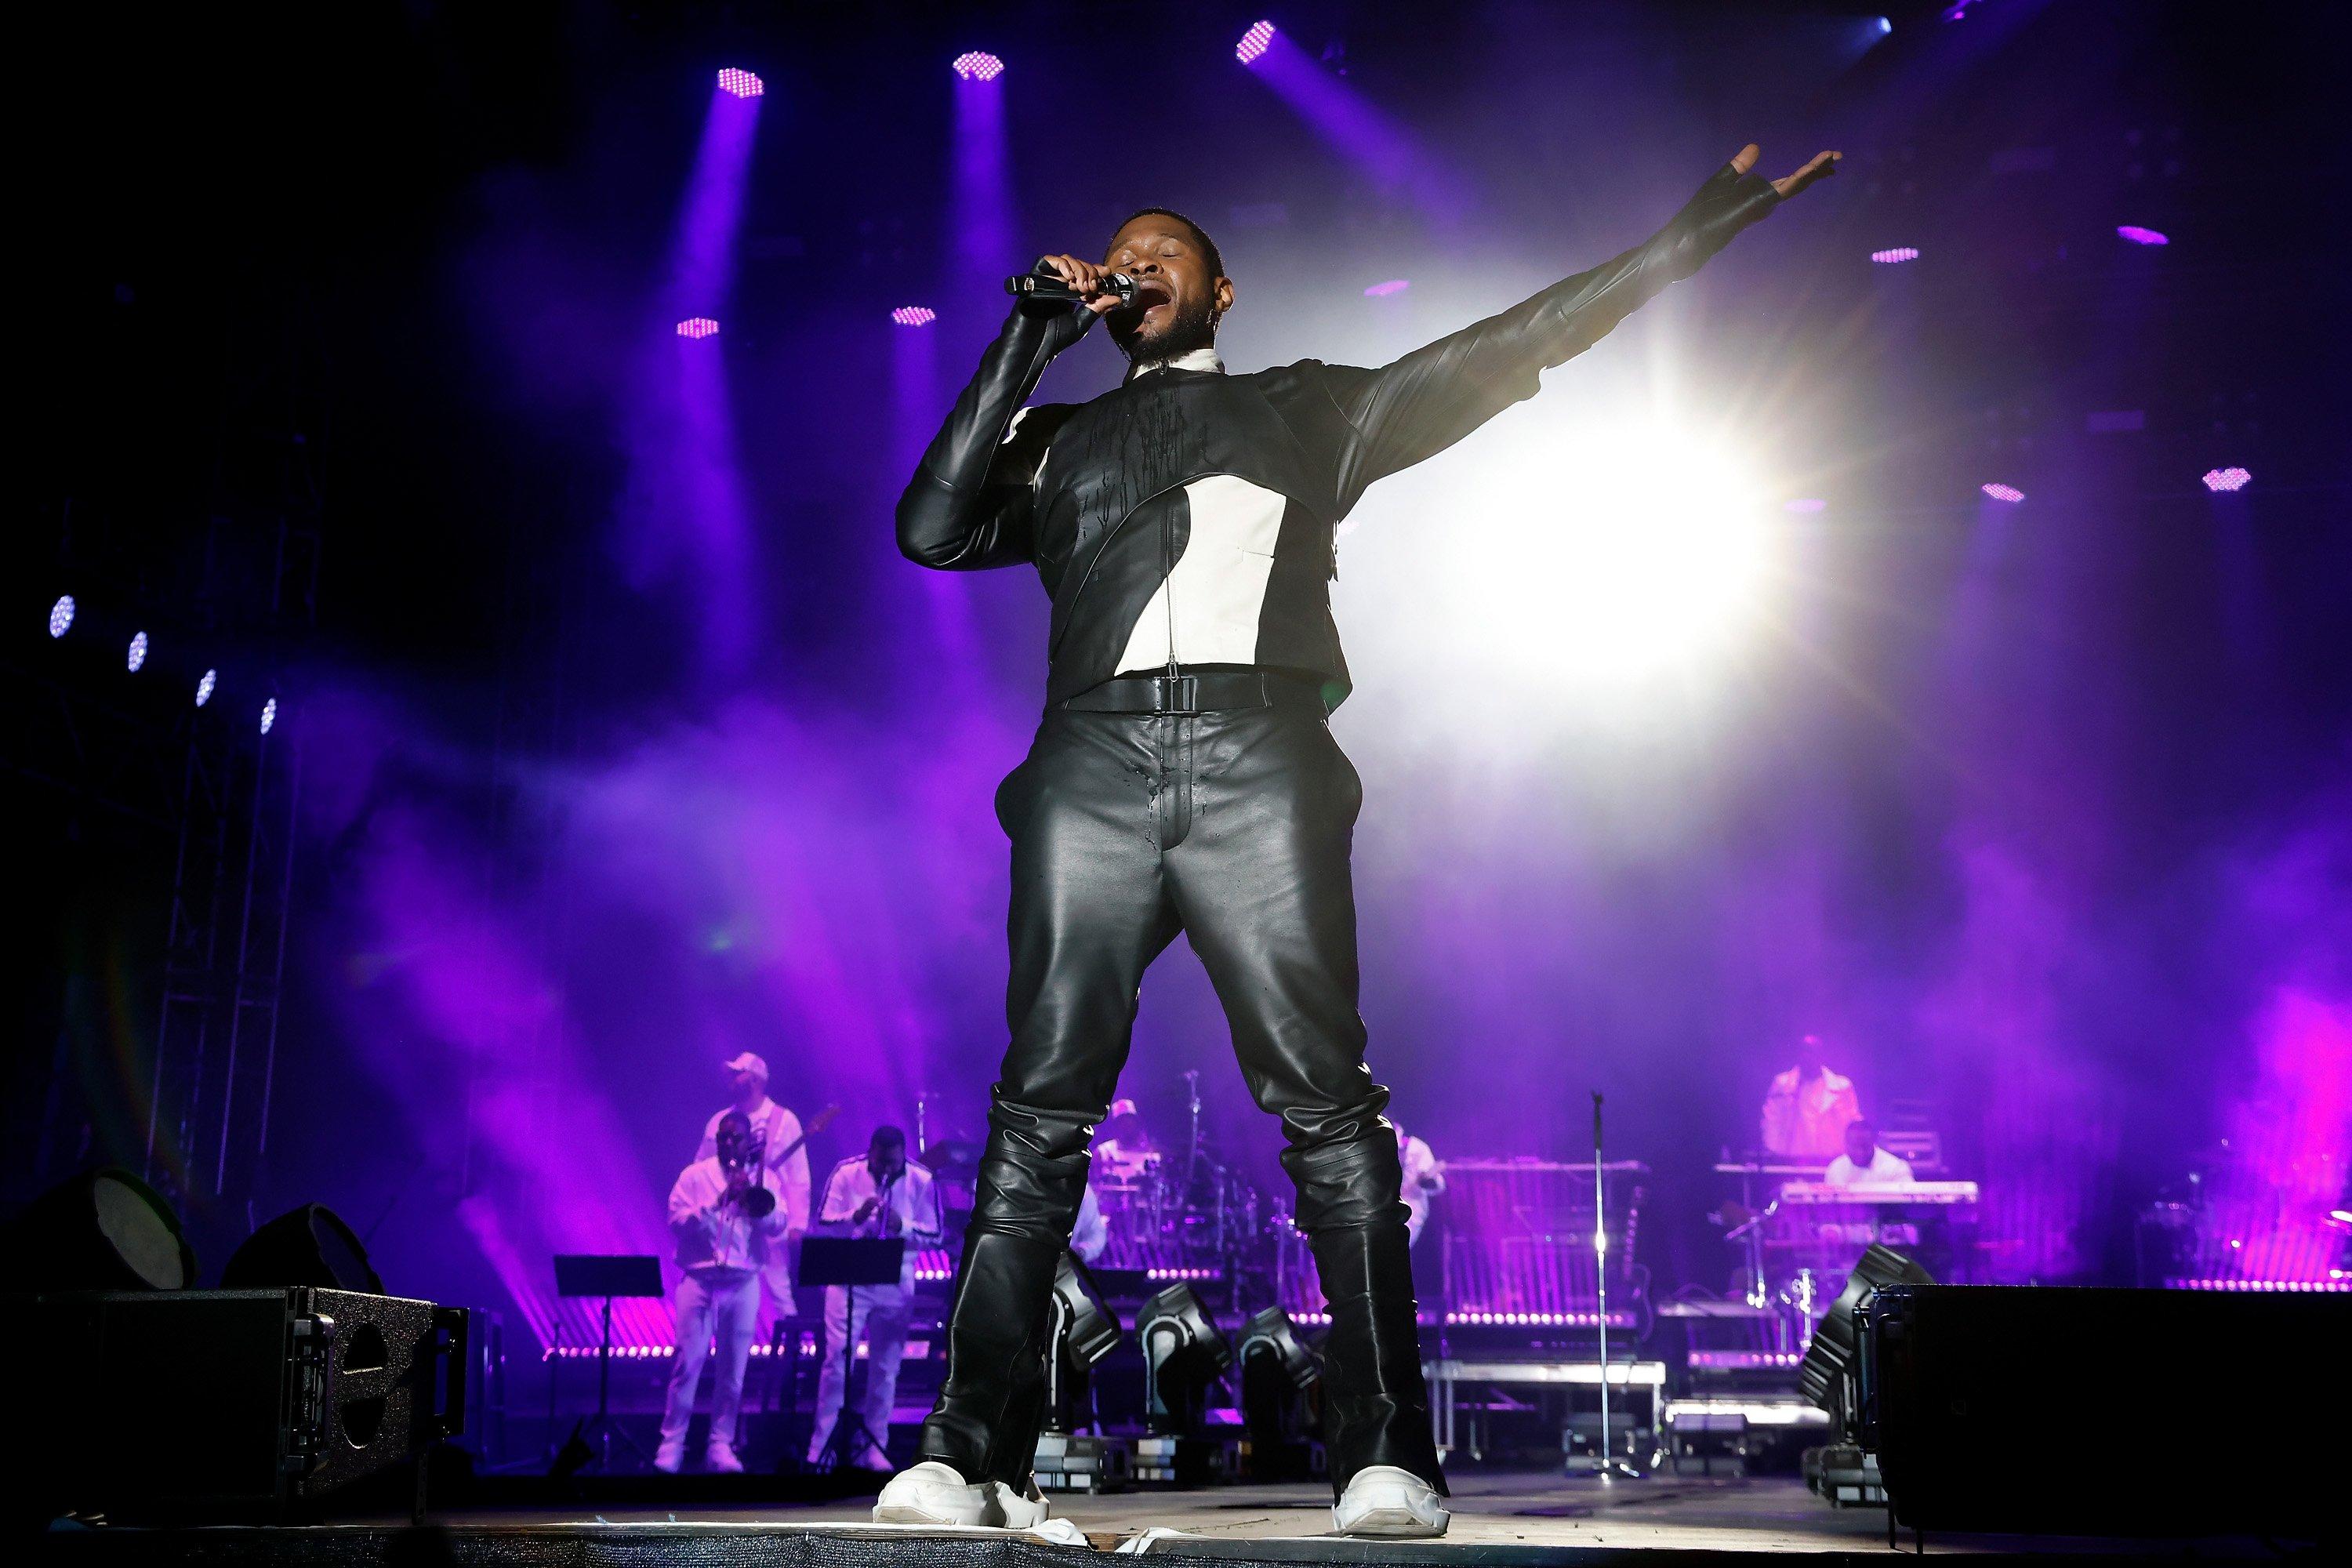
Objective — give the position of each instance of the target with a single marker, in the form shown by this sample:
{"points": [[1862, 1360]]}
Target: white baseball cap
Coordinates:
{"points": [[747, 1062]]}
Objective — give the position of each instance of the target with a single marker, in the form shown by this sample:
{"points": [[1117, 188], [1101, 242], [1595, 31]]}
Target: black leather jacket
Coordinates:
{"points": [[1093, 494]]}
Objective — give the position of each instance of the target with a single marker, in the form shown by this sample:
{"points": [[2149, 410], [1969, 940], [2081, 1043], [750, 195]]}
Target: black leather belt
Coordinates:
{"points": [[1208, 691]]}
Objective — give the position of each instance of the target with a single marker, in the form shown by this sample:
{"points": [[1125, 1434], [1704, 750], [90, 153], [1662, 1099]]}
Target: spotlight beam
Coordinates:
{"points": [[982, 214], [688, 509], [1356, 129]]}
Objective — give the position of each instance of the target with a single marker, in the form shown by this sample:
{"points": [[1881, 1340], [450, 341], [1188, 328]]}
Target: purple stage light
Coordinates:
{"points": [[1898, 254], [978, 64], [2002, 492], [205, 687], [2332, 1287], [914, 315], [61, 614], [742, 83], [1805, 503], [137, 655], [696, 327], [2139, 236], [2231, 479], [1393, 286], [1255, 42], [268, 714]]}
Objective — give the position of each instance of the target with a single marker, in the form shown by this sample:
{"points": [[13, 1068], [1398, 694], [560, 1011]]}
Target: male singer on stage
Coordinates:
{"points": [[724, 1232], [879, 1194], [1182, 779]]}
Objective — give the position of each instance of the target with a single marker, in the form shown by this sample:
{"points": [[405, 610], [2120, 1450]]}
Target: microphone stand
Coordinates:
{"points": [[1192, 1150], [1606, 1464]]}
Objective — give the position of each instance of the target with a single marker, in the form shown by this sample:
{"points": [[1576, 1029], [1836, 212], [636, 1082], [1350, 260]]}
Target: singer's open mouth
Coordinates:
{"points": [[1150, 297]]}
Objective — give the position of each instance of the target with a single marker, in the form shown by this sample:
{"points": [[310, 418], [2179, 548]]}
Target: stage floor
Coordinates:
{"points": [[1499, 1519]]}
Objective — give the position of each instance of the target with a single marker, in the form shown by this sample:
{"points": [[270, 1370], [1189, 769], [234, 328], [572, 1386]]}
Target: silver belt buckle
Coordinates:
{"points": [[1178, 694]]}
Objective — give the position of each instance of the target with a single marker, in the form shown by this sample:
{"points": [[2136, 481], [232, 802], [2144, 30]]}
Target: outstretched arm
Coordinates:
{"points": [[969, 504], [1434, 396]]}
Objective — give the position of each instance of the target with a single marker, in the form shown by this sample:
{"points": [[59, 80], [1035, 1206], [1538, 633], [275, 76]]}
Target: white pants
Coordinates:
{"points": [[881, 1317], [712, 1303]]}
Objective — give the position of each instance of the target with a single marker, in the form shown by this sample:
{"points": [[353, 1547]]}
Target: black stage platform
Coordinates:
{"points": [[1506, 1521]]}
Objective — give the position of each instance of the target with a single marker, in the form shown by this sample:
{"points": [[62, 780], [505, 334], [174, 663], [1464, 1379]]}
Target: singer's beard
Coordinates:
{"points": [[1193, 326]]}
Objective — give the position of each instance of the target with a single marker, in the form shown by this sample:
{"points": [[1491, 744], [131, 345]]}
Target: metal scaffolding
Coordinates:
{"points": [[204, 784]]}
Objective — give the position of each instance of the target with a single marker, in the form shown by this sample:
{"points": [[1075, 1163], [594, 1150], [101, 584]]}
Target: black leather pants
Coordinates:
{"points": [[1235, 828]]}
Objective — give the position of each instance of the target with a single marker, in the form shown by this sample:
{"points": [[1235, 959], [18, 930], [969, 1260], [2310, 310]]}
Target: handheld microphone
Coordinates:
{"points": [[1050, 286]]}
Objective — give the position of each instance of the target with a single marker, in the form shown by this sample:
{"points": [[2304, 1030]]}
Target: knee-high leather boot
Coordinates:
{"points": [[986, 1424], [1375, 1404]]}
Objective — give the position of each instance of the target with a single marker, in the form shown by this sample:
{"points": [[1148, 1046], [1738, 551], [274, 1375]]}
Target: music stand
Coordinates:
{"points": [[849, 1263], [581, 1275]]}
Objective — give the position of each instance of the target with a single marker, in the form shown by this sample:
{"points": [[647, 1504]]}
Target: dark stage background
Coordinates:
{"points": [[626, 740]]}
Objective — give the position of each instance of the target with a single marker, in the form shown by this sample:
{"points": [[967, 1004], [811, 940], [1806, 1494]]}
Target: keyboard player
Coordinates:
{"points": [[1863, 1163], [1863, 1167]]}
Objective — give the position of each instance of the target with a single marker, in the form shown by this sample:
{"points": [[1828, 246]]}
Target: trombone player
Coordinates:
{"points": [[725, 1221]]}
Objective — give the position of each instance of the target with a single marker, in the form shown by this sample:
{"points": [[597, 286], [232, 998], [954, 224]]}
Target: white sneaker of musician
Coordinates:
{"points": [[1382, 1500], [934, 1493]]}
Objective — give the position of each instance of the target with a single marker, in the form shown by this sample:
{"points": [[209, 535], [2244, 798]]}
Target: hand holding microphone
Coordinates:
{"points": [[1067, 279]]}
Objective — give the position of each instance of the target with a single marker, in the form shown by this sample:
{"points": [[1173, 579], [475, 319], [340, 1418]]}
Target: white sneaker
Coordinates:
{"points": [[931, 1493], [934, 1493], [719, 1459], [669, 1456], [1016, 1511], [1382, 1500]]}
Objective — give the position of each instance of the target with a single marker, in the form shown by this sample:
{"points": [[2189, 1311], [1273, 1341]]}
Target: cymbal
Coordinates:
{"points": [[951, 1157]]}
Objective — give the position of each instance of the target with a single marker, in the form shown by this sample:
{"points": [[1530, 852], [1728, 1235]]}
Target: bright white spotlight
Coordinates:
{"points": [[205, 687], [1635, 550], [61, 614], [137, 655], [268, 714]]}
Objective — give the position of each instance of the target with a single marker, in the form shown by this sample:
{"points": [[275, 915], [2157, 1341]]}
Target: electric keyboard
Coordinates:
{"points": [[1905, 1195]]}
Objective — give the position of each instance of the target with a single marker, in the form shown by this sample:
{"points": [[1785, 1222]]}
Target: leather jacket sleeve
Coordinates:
{"points": [[1434, 396], [970, 503]]}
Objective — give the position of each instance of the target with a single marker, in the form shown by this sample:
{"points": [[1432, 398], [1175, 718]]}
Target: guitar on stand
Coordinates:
{"points": [[761, 1202]]}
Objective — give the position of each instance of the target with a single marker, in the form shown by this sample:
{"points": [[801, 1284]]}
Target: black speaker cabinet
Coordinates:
{"points": [[224, 1404], [2135, 1412]]}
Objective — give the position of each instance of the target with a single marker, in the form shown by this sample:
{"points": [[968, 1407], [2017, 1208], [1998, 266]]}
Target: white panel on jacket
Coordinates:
{"points": [[1218, 588]]}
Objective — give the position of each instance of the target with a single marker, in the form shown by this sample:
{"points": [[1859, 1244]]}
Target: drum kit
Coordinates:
{"points": [[1170, 1214], [1207, 1221]]}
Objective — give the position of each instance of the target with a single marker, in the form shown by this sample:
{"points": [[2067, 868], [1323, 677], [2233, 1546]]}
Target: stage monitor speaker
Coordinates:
{"points": [[2107, 1412], [102, 1230], [308, 1245], [223, 1405]]}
